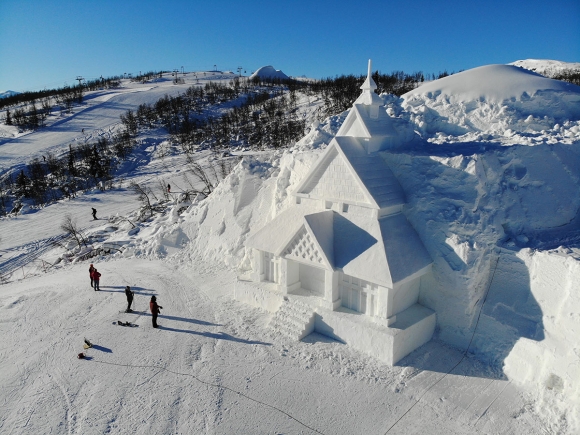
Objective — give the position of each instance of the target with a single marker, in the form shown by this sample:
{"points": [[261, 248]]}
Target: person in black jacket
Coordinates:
{"points": [[91, 270], [129, 295]]}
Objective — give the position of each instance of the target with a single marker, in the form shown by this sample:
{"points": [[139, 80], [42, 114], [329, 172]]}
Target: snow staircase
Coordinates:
{"points": [[294, 320]]}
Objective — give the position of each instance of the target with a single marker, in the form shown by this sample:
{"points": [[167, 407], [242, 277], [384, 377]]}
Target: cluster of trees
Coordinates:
{"points": [[34, 107], [32, 117], [264, 116], [51, 178], [57, 93], [339, 93], [570, 76]]}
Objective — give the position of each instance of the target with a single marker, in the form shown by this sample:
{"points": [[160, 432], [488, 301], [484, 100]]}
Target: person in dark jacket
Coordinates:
{"points": [[94, 213], [154, 310], [91, 270], [96, 279], [129, 295]]}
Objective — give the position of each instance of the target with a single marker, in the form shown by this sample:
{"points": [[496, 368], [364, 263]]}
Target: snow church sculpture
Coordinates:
{"points": [[343, 260]]}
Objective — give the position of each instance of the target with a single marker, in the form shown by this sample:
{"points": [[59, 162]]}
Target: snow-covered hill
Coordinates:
{"points": [[499, 218], [546, 67], [269, 72], [494, 103], [5, 94]]}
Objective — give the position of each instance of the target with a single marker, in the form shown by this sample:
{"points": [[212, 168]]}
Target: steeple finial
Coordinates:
{"points": [[368, 96], [369, 84]]}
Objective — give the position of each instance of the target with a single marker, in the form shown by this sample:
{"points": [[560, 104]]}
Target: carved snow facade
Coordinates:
{"points": [[344, 261]]}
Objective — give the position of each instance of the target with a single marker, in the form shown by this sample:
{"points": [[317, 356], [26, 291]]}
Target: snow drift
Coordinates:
{"points": [[500, 103]]}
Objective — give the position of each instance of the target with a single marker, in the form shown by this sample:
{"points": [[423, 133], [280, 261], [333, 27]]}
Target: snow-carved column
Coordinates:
{"points": [[257, 266], [331, 291], [385, 309]]}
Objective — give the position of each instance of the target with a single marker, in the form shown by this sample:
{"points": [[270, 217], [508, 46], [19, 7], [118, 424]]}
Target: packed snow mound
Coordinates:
{"points": [[268, 72], [546, 67], [492, 83], [501, 103]]}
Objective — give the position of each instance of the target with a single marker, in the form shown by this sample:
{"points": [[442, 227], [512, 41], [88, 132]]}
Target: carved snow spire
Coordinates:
{"points": [[369, 85], [368, 96]]}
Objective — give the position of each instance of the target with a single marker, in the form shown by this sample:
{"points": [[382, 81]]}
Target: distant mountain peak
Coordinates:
{"points": [[546, 67], [269, 72], [8, 94]]}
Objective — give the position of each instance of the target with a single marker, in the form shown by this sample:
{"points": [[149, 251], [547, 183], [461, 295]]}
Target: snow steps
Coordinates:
{"points": [[293, 320]]}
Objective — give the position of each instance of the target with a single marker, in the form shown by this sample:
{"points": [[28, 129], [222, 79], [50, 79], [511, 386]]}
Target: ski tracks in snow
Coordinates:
{"points": [[31, 251]]}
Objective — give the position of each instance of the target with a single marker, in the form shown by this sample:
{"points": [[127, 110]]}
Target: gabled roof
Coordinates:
{"points": [[373, 172], [403, 247], [373, 183], [276, 234], [313, 242], [358, 123], [385, 251]]}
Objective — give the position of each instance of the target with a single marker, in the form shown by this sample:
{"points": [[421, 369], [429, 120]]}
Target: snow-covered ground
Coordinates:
{"points": [[500, 219]]}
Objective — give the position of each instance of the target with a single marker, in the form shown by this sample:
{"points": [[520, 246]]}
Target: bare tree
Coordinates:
{"points": [[69, 225], [201, 175], [163, 188], [144, 195]]}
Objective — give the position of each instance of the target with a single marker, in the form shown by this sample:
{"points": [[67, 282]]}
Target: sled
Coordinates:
{"points": [[120, 323]]}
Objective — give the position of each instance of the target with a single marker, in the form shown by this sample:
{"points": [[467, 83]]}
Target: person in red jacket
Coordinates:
{"points": [[91, 270], [154, 310], [96, 278]]}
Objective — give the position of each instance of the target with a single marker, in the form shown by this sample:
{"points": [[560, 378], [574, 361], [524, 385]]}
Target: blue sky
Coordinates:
{"points": [[46, 43]]}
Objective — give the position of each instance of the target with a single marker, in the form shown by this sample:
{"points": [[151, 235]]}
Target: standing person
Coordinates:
{"points": [[96, 279], [91, 271], [154, 310], [168, 188], [129, 295], [94, 213]]}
